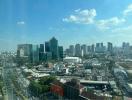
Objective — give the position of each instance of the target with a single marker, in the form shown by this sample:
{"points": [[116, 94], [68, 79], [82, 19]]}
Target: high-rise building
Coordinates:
{"points": [[60, 49], [88, 49], [47, 56], [41, 48], [100, 48], [21, 52], [54, 48], [125, 45], [67, 52], [47, 46], [92, 48], [77, 50], [71, 50], [126, 48], [97, 49], [41, 52], [101, 45], [109, 47], [84, 49], [25, 50], [35, 53]]}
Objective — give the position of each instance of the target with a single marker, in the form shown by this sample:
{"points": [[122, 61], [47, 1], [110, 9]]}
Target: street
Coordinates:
{"points": [[7, 71]]}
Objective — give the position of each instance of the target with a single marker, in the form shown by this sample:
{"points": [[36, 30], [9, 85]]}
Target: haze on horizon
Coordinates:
{"points": [[70, 21]]}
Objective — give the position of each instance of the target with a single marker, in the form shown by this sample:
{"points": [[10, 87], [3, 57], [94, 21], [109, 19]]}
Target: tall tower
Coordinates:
{"points": [[47, 46], [77, 50], [109, 47], [35, 51], [71, 50], [84, 49], [41, 52], [60, 50], [54, 48], [25, 50]]}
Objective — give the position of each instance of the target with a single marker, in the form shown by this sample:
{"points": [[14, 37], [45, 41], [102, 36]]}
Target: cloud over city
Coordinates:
{"points": [[85, 16], [88, 16]]}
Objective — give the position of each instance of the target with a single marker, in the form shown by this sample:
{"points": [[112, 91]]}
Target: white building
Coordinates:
{"points": [[72, 60]]}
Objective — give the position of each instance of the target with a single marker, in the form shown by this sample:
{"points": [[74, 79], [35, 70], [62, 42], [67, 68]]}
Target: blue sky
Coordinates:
{"points": [[70, 21]]}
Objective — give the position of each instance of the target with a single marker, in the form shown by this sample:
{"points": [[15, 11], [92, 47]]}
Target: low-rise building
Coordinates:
{"points": [[72, 60]]}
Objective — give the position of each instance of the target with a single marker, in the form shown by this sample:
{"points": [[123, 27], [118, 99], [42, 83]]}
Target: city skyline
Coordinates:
{"points": [[71, 22], [103, 44]]}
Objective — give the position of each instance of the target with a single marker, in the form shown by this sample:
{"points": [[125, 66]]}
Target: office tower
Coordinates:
{"points": [[125, 45], [109, 47], [77, 50], [35, 52], [126, 48], [92, 48], [60, 50], [41, 52], [54, 48], [41, 48], [21, 52], [101, 45], [84, 49], [100, 48], [25, 51], [103, 48], [97, 49], [47, 56], [47, 46], [67, 52], [88, 49], [71, 50]]}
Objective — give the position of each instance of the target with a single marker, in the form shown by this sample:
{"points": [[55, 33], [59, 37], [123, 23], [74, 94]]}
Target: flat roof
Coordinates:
{"points": [[94, 82], [71, 58]]}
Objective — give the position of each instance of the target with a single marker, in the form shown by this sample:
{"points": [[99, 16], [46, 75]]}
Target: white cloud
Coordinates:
{"points": [[128, 10], [20, 22], [87, 16], [82, 16], [123, 30], [71, 18], [77, 10], [122, 33], [108, 23]]}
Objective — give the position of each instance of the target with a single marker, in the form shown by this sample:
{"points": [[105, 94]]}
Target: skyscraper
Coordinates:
{"points": [[54, 48], [97, 49], [126, 48], [125, 45], [77, 50], [109, 47], [47, 46], [25, 50], [35, 52], [100, 48], [41, 48], [92, 48], [84, 49], [71, 50], [60, 50], [41, 52], [67, 52], [88, 49]]}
